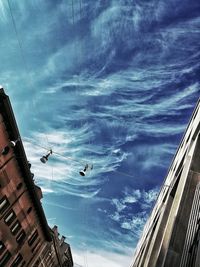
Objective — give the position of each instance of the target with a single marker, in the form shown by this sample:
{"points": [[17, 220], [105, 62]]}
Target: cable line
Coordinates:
{"points": [[73, 159], [73, 11], [17, 35]]}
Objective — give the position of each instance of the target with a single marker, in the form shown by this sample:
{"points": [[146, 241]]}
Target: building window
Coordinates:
{"points": [[21, 236], [195, 114], [33, 238], [37, 263], [2, 247], [4, 204], [36, 246], [15, 227], [188, 137], [9, 218], [29, 210], [5, 259], [5, 150], [19, 186], [17, 261]]}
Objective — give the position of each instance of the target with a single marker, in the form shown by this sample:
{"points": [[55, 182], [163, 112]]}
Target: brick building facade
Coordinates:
{"points": [[25, 237]]}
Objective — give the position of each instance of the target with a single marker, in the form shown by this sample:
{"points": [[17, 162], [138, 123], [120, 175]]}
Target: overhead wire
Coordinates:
{"points": [[73, 11], [17, 35], [54, 152], [71, 158], [24, 60], [80, 8]]}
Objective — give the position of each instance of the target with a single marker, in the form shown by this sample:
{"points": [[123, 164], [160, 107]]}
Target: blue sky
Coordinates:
{"points": [[109, 83]]}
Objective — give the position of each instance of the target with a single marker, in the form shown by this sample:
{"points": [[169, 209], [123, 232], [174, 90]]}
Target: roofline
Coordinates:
{"points": [[11, 124], [70, 254], [69, 248]]}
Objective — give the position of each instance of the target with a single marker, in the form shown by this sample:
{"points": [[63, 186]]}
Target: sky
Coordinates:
{"points": [[108, 83]]}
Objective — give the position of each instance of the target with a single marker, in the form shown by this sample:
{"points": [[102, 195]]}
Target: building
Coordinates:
{"points": [[56, 253], [171, 235], [25, 237], [62, 249]]}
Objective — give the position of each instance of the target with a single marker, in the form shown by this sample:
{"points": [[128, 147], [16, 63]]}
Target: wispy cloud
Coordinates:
{"points": [[135, 196], [50, 203], [110, 84], [100, 258], [134, 222]]}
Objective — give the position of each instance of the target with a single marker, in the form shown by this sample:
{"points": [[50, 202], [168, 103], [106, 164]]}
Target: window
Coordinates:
{"points": [[181, 165], [2, 247], [19, 186], [29, 210], [15, 227], [36, 246], [37, 263], [188, 137], [9, 218], [175, 186], [5, 151], [195, 114], [21, 236], [5, 259], [4, 204], [196, 132], [33, 238], [17, 261]]}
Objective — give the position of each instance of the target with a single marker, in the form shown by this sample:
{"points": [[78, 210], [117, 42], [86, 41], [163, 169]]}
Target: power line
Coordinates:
{"points": [[73, 11], [73, 159], [124, 173], [80, 8], [56, 153], [17, 35]]}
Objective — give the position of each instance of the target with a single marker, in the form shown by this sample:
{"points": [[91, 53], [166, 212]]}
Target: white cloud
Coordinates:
{"points": [[50, 203], [151, 195], [133, 197], [116, 216], [134, 222], [118, 204], [46, 190], [102, 210], [100, 258]]}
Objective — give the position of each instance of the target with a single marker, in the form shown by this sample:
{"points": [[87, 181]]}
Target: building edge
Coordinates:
{"points": [[162, 188], [11, 124]]}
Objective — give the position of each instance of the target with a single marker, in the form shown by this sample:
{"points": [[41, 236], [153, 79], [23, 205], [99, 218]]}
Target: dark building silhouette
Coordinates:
{"points": [[25, 237], [171, 235]]}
